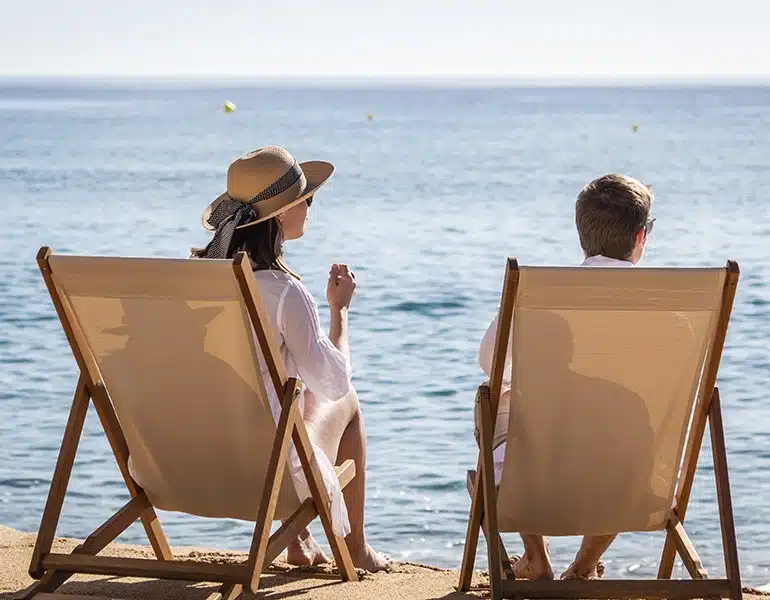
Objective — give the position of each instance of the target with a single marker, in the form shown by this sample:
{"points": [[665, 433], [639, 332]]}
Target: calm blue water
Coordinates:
{"points": [[429, 198]]}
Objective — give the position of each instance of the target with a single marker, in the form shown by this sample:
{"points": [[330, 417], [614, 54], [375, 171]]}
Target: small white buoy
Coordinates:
{"points": [[228, 107]]}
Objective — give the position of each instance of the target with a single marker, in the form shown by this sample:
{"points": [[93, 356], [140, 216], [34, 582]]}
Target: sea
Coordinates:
{"points": [[435, 186]]}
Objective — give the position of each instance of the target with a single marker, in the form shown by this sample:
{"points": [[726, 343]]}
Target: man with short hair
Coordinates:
{"points": [[612, 214]]}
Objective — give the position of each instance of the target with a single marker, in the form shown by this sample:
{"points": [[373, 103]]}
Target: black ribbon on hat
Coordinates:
{"points": [[228, 215]]}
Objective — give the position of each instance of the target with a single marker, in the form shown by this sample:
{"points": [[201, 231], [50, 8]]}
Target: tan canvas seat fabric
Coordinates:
{"points": [[173, 345], [606, 364]]}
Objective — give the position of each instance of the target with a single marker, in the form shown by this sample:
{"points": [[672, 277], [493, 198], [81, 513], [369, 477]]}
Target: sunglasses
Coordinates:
{"points": [[648, 226], [309, 201]]}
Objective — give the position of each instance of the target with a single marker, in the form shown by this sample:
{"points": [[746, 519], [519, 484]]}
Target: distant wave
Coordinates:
{"points": [[433, 308]]}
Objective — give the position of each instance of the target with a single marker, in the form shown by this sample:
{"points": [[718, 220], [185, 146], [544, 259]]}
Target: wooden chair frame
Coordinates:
{"points": [[481, 487], [52, 569]]}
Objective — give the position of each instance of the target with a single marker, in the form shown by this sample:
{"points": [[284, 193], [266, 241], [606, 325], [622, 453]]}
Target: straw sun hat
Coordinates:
{"points": [[260, 185]]}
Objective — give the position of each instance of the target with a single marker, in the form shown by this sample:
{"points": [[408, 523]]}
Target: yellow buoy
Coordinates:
{"points": [[370, 116], [636, 128], [228, 107]]}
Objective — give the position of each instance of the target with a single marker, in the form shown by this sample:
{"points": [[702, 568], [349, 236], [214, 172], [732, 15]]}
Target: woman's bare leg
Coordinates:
{"points": [[338, 429], [304, 551]]}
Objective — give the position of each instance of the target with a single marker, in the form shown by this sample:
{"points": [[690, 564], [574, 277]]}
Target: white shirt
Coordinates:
{"points": [[307, 352], [309, 355], [487, 350]]}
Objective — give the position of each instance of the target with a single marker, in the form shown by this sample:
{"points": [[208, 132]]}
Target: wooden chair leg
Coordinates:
{"points": [[322, 501], [729, 543], [469, 554], [684, 488], [487, 476], [504, 560], [686, 549], [61, 477], [274, 475], [472, 534]]}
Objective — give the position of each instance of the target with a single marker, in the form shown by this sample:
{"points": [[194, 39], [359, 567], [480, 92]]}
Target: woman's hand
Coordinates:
{"points": [[340, 287]]}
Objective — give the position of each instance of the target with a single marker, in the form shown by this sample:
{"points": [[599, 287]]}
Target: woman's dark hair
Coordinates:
{"points": [[263, 243]]}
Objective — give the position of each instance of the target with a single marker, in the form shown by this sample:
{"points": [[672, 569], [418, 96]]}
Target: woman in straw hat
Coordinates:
{"points": [[266, 203]]}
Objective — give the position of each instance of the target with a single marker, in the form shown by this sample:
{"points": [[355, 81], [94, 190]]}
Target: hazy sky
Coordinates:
{"points": [[529, 38]]}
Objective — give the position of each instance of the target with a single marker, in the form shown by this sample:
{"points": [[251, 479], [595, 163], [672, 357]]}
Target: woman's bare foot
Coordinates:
{"points": [[525, 568], [578, 571], [371, 561], [305, 551]]}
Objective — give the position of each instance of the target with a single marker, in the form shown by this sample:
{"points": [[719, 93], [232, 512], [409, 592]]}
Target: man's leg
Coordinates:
{"points": [[536, 561], [586, 563]]}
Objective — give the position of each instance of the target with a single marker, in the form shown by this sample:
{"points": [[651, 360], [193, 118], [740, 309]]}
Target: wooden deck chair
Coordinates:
{"points": [[167, 355], [613, 381]]}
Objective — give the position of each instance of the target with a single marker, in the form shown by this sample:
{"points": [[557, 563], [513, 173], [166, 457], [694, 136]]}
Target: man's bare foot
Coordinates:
{"points": [[525, 568], [305, 551], [577, 571], [371, 561]]}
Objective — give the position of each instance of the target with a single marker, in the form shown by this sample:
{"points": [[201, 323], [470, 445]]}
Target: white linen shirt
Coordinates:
{"points": [[307, 352], [487, 349], [309, 355]]}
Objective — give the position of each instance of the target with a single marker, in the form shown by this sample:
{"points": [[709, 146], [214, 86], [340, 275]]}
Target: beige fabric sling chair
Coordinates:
{"points": [[613, 381], [168, 352]]}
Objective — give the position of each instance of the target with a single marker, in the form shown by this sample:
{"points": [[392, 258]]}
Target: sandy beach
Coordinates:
{"points": [[406, 581]]}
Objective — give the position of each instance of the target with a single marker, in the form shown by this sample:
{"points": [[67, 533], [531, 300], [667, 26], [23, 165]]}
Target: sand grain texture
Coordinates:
{"points": [[407, 581]]}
